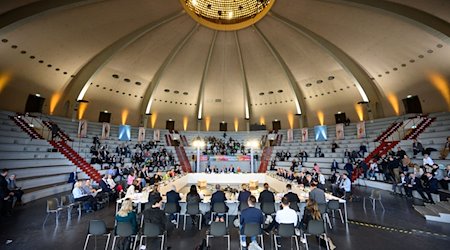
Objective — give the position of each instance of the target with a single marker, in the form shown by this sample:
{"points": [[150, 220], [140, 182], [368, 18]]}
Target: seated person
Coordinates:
{"points": [[345, 186], [133, 188], [446, 149], [173, 197], [12, 186], [155, 215], [218, 197], [311, 212], [431, 186], [414, 183], [154, 194], [266, 196], [79, 194], [292, 197], [126, 214], [248, 216], [243, 195], [317, 194], [285, 215]]}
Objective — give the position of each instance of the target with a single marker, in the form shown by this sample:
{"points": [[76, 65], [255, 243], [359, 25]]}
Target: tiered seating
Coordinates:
{"points": [[76, 159], [18, 120], [388, 132], [425, 123], [61, 133], [382, 149]]}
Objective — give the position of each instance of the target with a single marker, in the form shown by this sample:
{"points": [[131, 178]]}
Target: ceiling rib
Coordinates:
{"points": [[79, 85], [18, 16], [247, 110], [418, 17], [367, 88], [201, 90], [299, 102], [146, 104]]}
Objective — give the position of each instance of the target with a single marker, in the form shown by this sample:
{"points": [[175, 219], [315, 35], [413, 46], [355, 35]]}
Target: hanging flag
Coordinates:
{"points": [[361, 129], [82, 128], [290, 135], [105, 130], [340, 131], [304, 134], [156, 134], [141, 135]]}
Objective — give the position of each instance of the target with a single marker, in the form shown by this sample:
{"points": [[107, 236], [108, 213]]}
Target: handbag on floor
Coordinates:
{"points": [[323, 243]]}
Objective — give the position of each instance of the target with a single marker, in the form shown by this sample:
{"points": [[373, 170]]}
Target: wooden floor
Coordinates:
{"points": [[399, 227]]}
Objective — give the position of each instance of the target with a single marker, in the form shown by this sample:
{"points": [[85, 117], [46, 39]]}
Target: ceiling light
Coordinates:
{"points": [[38, 95], [408, 96], [106, 111], [339, 112]]}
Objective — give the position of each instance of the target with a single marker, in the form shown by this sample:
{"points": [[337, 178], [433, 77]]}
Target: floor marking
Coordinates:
{"points": [[399, 230]]}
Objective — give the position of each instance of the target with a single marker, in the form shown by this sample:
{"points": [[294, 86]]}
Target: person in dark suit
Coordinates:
{"points": [[173, 197], [292, 197], [317, 194], [414, 183], [431, 186], [266, 196], [6, 196], [155, 215], [218, 197], [243, 196], [334, 166]]}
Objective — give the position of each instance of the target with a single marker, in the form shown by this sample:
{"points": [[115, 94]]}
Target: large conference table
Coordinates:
{"points": [[276, 183]]}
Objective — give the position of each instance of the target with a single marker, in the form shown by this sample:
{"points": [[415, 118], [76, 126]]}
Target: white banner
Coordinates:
{"points": [[156, 135], [82, 128], [340, 131], [361, 130], [304, 134], [106, 128], [290, 135], [141, 135]]}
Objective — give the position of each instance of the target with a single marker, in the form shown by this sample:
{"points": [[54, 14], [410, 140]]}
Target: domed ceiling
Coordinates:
{"points": [[302, 61]]}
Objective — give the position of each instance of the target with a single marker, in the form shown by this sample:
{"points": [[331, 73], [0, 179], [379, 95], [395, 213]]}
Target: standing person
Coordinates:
{"points": [[250, 215], [6, 196]]}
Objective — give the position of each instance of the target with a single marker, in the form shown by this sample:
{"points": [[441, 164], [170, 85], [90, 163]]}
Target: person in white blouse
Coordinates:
{"points": [[427, 160]]}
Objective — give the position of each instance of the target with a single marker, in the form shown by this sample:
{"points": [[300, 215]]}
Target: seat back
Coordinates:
{"points": [[124, 229], [71, 198], [268, 208], [219, 208], [333, 205], [294, 206], [322, 207], [97, 227], [170, 208], [65, 200], [315, 227], [242, 206], [52, 204], [151, 230], [218, 229], [252, 229], [193, 208], [375, 194], [286, 230]]}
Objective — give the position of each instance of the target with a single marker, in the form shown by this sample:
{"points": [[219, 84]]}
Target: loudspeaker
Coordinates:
{"points": [[104, 117], [412, 105], [170, 125], [34, 104], [223, 126], [276, 125], [340, 118]]}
